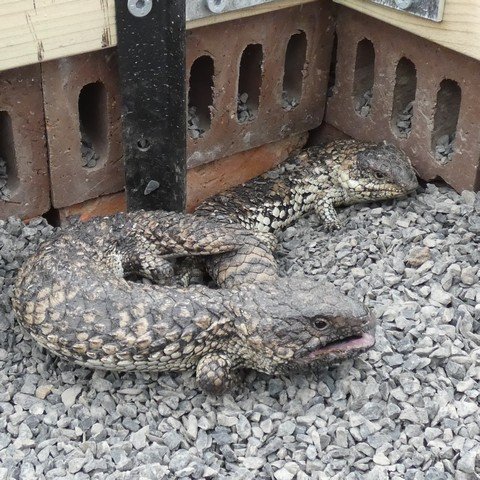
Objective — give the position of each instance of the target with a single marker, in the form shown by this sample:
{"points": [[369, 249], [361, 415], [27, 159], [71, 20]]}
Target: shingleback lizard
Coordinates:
{"points": [[73, 299], [317, 180]]}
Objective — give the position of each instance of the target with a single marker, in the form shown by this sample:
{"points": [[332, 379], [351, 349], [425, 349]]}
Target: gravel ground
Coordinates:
{"points": [[404, 121], [408, 409], [364, 103], [89, 156], [445, 149], [4, 193]]}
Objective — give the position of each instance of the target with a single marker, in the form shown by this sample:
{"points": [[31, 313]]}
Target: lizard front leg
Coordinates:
{"points": [[325, 209], [214, 375]]}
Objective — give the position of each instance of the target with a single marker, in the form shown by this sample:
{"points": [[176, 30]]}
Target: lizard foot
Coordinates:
{"points": [[214, 374], [332, 226]]}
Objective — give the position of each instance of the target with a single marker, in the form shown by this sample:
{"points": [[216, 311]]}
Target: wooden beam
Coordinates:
{"points": [[37, 30], [459, 30]]}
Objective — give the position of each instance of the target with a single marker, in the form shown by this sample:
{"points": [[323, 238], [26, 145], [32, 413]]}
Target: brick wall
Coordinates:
{"points": [[391, 85]]}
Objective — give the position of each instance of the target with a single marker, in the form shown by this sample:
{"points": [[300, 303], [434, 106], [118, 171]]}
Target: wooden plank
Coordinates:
{"points": [[39, 30], [459, 30]]}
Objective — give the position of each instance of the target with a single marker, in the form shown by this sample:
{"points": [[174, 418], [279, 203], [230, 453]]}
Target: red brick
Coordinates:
{"points": [[433, 64], [23, 141], [96, 207], [207, 180], [63, 81], [203, 181], [225, 43]]}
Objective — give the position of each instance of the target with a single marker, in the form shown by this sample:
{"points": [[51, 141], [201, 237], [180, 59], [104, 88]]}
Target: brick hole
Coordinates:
{"points": [[294, 69], [333, 67], [403, 98], [200, 96], [249, 83], [447, 110], [92, 110], [364, 77], [8, 169]]}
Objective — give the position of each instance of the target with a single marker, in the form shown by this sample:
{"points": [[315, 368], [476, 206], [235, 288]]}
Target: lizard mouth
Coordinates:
{"points": [[339, 350], [355, 343]]}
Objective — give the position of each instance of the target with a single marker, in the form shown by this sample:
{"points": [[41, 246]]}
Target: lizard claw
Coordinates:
{"points": [[332, 226]]}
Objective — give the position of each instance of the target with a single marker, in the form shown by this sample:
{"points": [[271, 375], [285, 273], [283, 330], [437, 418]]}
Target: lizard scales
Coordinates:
{"points": [[73, 299], [317, 180]]}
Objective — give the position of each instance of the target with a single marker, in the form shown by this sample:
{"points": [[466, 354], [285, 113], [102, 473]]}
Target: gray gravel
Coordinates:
{"points": [[4, 193], [244, 112], [289, 102], [445, 148], [404, 121], [89, 157], [364, 103], [193, 123], [408, 409]]}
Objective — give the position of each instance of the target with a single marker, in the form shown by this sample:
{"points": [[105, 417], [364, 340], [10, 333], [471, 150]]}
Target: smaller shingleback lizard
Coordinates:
{"points": [[72, 298], [318, 179]]}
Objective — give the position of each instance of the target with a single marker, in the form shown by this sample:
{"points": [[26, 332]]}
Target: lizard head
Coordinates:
{"points": [[305, 324], [378, 172]]}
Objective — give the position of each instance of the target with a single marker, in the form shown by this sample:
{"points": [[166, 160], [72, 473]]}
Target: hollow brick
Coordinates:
{"points": [[224, 44], [22, 143], [84, 87], [433, 65]]}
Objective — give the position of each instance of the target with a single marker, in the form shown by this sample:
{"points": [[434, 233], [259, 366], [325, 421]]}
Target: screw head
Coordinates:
{"points": [[216, 6], [139, 8]]}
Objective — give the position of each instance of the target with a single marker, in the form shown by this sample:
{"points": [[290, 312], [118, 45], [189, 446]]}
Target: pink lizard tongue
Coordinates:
{"points": [[366, 340]]}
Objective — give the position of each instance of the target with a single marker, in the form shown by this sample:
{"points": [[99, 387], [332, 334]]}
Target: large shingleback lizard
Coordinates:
{"points": [[73, 299], [317, 180]]}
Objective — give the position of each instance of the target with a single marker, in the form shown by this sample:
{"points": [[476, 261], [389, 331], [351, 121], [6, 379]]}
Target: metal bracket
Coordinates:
{"points": [[197, 9], [429, 9], [151, 55]]}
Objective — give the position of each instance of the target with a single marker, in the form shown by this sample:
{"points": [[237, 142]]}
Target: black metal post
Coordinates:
{"points": [[151, 51]]}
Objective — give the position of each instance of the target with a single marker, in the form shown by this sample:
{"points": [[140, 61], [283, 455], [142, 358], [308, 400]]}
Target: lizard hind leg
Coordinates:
{"points": [[214, 374], [151, 265], [269, 239]]}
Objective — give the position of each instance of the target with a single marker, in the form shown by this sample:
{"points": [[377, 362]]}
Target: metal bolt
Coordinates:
{"points": [[139, 8], [216, 6], [143, 144], [403, 4]]}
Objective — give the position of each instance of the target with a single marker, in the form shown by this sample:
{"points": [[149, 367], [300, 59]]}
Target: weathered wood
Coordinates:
{"points": [[36, 30]]}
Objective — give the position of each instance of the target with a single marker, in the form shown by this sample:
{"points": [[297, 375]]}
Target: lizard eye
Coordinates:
{"points": [[379, 175], [320, 324]]}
